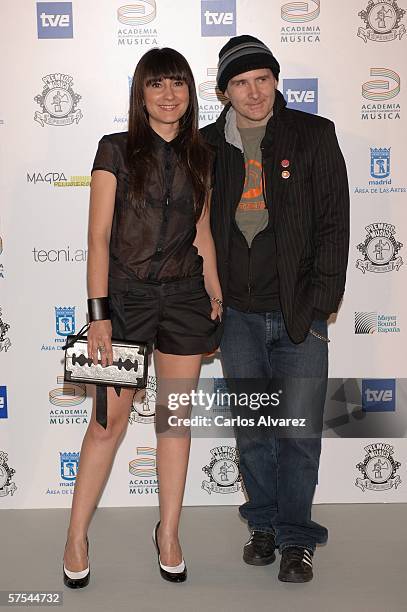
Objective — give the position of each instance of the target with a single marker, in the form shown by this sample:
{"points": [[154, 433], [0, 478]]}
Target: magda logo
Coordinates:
{"points": [[218, 17], [54, 20]]}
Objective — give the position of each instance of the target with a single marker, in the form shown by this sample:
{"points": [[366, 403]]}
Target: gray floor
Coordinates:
{"points": [[363, 568]]}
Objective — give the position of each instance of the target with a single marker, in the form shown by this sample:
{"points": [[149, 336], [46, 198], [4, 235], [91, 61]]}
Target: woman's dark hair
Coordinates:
{"points": [[194, 155]]}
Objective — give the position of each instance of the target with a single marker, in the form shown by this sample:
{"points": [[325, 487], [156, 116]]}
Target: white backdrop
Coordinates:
{"points": [[65, 71]]}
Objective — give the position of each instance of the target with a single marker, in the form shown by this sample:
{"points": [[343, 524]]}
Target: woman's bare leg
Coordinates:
{"points": [[98, 450], [173, 450]]}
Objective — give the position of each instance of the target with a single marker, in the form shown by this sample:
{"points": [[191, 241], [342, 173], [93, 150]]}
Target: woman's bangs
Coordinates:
{"points": [[165, 66]]}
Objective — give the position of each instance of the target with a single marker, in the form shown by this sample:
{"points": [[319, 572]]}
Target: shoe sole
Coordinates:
{"points": [[77, 584], [295, 578], [259, 562]]}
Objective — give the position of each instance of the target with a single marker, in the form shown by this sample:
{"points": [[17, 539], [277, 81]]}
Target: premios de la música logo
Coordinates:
{"points": [[64, 326], [383, 21], [2, 269], [223, 471], [144, 401], [136, 26], [143, 470], [5, 342], [68, 470], [380, 249], [58, 101], [67, 404], [300, 22], [381, 93], [7, 486], [378, 468]]}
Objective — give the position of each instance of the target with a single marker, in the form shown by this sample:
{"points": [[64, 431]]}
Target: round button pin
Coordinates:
{"points": [[285, 174], [285, 163]]}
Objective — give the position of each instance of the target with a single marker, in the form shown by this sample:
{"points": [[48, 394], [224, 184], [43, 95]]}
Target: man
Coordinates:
{"points": [[280, 220]]}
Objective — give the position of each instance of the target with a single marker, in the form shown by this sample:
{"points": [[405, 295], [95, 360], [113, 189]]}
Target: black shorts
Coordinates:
{"points": [[174, 317]]}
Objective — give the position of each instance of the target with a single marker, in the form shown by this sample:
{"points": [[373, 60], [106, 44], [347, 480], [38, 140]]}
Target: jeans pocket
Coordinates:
{"points": [[316, 334]]}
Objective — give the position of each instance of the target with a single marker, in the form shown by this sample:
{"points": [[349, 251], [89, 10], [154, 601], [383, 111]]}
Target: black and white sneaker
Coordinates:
{"points": [[259, 550], [296, 565]]}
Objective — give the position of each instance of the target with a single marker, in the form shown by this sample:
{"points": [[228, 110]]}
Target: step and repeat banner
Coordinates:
{"points": [[66, 70]]}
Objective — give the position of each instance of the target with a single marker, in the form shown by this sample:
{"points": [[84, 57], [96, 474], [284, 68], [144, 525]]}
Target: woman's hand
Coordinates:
{"points": [[100, 342], [217, 311]]}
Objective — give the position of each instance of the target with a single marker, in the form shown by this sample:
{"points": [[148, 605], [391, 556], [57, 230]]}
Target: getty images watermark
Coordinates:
{"points": [[247, 401]]}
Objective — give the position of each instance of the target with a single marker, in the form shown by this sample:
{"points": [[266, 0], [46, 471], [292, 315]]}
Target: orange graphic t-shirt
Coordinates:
{"points": [[251, 213]]}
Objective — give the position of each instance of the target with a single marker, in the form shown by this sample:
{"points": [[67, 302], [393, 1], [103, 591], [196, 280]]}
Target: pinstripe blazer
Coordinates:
{"points": [[310, 210]]}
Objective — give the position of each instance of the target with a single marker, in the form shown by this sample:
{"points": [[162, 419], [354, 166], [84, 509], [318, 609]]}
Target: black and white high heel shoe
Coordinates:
{"points": [[172, 573], [77, 580]]}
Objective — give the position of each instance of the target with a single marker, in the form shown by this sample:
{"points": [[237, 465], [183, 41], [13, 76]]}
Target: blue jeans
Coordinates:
{"points": [[279, 473]]}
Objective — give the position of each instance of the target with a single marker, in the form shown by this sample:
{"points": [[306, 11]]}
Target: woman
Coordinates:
{"points": [[151, 252]]}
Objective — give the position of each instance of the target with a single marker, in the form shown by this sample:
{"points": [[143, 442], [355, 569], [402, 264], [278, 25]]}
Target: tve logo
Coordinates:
{"points": [[301, 94], [3, 402], [379, 395], [218, 17], [54, 20]]}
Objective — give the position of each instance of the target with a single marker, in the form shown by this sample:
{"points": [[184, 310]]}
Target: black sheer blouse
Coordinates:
{"points": [[156, 244]]}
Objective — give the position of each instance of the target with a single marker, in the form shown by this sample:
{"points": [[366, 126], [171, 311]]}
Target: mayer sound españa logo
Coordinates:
{"points": [[382, 19]]}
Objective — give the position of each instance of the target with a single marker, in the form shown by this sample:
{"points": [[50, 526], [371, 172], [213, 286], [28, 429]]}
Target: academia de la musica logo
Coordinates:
{"points": [[379, 249], [382, 21], [223, 471], [301, 22], [378, 468], [7, 486], [67, 406], [143, 470], [211, 99], [5, 342], [136, 25], [143, 406], [381, 95], [58, 101]]}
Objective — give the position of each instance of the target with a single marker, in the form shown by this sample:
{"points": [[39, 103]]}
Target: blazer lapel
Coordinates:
{"points": [[280, 160]]}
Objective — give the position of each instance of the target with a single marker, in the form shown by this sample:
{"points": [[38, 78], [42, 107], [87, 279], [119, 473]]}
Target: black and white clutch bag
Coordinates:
{"points": [[129, 368]]}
